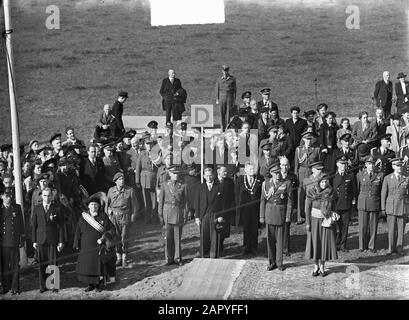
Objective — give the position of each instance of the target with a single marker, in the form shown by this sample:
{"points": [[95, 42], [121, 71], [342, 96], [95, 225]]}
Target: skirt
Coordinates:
{"points": [[321, 243]]}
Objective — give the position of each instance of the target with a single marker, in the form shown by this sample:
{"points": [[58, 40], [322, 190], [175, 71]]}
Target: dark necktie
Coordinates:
{"points": [[247, 145]]}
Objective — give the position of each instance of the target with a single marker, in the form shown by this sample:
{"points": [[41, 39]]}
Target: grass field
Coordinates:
{"points": [[64, 76]]}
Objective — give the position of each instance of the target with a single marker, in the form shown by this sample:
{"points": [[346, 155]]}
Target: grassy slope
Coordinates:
{"points": [[65, 76]]}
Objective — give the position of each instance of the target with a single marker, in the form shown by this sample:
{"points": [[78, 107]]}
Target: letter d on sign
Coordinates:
{"points": [[201, 115], [53, 280]]}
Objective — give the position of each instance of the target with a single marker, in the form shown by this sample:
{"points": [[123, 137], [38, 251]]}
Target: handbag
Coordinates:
{"points": [[330, 221]]}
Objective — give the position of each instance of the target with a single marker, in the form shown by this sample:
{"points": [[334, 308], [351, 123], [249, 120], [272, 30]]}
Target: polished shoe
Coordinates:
{"points": [[13, 293], [315, 273], [281, 268], [90, 288], [362, 250], [54, 290], [42, 290], [99, 288], [372, 250], [179, 263], [168, 263], [323, 273], [271, 267]]}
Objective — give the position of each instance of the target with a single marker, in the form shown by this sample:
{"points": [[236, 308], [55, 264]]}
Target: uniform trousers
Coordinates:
{"points": [[286, 237], [173, 248], [343, 224], [208, 237], [122, 227], [226, 102], [250, 227], [368, 227], [303, 173], [396, 227], [10, 257], [149, 200], [275, 236], [47, 255]]}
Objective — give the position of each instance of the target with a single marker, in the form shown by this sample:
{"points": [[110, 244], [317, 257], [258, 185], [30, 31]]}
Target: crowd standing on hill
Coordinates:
{"points": [[259, 171]]}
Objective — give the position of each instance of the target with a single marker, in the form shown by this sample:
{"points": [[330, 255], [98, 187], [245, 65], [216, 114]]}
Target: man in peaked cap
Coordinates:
{"points": [[153, 126], [117, 126], [344, 185], [145, 177], [55, 142], [11, 239], [348, 152], [225, 95], [172, 211], [275, 211], [402, 92], [369, 187], [305, 155], [266, 101], [383, 154], [395, 203], [265, 161], [123, 208]]}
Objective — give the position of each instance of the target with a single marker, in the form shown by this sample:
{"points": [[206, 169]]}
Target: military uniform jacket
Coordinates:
{"points": [[369, 191], [382, 160], [47, 228], [162, 176], [345, 190], [12, 226], [404, 153], [350, 154], [172, 202], [264, 163], [276, 201], [146, 170], [395, 195], [304, 157], [124, 202]]}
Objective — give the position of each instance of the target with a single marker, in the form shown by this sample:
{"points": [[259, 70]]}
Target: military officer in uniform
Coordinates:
{"points": [[305, 155], [383, 154], [344, 186], [265, 161], [350, 154], [111, 165], [369, 186], [275, 211], [11, 239], [153, 126], [123, 208], [395, 203], [285, 174], [173, 214], [145, 177], [404, 154]]}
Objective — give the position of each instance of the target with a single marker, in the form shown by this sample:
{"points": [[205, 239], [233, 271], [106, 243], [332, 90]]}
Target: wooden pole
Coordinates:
{"points": [[14, 118]]}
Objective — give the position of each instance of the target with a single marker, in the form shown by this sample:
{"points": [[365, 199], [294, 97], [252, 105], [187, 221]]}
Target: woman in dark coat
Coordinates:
{"points": [[321, 245], [94, 231], [328, 141]]}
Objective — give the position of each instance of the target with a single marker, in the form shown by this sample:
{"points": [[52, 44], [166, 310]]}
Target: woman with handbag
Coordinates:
{"points": [[321, 245], [94, 238]]}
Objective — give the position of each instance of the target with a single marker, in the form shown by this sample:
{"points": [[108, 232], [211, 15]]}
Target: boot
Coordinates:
{"points": [[124, 264], [118, 259]]}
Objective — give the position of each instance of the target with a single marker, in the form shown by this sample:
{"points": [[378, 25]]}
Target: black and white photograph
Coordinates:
{"points": [[200, 150]]}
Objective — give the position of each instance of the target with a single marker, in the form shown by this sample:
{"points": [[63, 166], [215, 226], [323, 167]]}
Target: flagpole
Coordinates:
{"points": [[14, 117]]}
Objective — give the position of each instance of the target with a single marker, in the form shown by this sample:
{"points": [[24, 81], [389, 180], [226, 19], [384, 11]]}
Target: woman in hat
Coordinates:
{"points": [[94, 237], [321, 245]]}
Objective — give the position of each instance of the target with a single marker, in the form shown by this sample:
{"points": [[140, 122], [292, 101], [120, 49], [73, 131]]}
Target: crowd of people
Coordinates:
{"points": [[260, 170]]}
